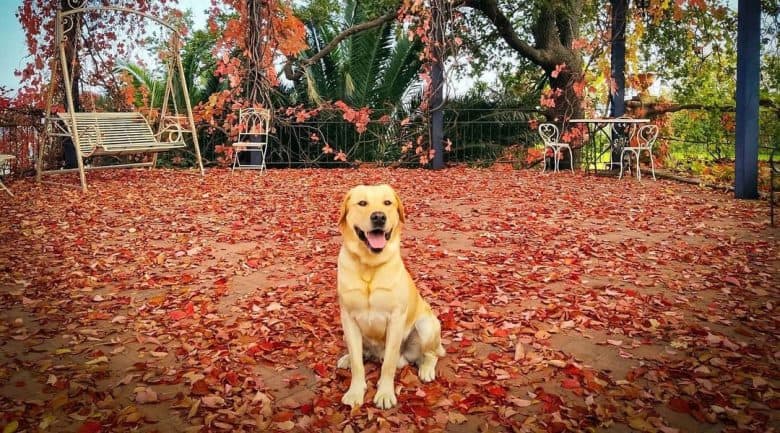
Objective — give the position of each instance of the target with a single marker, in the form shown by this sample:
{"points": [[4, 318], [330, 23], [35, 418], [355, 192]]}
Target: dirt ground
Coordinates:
{"points": [[163, 301]]}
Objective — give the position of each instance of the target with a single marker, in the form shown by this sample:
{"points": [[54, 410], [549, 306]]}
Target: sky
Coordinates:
{"points": [[13, 55]]}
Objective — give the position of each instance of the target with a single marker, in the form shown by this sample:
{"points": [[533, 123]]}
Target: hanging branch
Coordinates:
{"points": [[654, 109], [295, 75]]}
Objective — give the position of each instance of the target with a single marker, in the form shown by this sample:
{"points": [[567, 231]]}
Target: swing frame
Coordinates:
{"points": [[87, 140]]}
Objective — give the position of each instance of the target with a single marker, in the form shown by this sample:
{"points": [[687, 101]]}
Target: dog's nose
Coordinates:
{"points": [[378, 218]]}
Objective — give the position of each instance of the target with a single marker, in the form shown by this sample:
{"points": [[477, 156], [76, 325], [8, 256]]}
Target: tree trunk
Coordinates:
{"points": [[71, 55], [555, 29], [71, 59]]}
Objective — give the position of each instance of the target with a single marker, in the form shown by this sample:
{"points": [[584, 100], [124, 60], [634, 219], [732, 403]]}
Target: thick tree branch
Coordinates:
{"points": [[295, 75], [506, 30], [657, 108]]}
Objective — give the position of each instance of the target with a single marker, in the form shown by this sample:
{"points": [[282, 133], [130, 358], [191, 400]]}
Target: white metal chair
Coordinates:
{"points": [[253, 137], [645, 139], [4, 158], [550, 136]]}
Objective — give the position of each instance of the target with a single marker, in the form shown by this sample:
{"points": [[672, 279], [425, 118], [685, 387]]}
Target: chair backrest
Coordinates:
{"points": [[621, 133], [548, 132], [647, 135], [254, 124]]}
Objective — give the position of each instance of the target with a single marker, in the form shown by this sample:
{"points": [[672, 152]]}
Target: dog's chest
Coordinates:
{"points": [[371, 309]]}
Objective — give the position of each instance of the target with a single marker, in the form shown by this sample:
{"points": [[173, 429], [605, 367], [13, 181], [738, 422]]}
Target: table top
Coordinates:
{"points": [[610, 120]]}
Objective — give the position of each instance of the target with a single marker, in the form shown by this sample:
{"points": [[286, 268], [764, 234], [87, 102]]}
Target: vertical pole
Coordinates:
{"points": [[47, 126], [618, 65], [748, 66], [618, 58], [71, 106], [164, 105], [437, 87], [186, 93]]}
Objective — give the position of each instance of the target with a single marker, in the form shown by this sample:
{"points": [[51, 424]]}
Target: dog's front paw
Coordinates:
{"points": [[427, 370], [354, 396], [385, 397]]}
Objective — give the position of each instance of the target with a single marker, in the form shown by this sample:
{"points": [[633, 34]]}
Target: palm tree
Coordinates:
{"points": [[375, 68], [198, 65]]}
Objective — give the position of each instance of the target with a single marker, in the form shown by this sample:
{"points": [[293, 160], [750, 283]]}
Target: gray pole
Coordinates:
{"points": [[436, 97]]}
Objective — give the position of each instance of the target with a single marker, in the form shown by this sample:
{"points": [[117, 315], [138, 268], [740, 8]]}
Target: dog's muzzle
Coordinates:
{"points": [[375, 239]]}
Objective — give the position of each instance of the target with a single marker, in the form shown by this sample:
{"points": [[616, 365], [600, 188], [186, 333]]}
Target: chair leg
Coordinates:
{"points": [[638, 170], [544, 159], [6, 189], [555, 158], [235, 161], [571, 160], [622, 153], [652, 165]]}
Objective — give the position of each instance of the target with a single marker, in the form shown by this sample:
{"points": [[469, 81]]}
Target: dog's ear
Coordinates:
{"points": [[344, 206], [401, 212]]}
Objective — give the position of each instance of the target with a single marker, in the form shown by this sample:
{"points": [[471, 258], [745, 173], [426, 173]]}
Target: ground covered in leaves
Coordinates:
{"points": [[163, 301]]}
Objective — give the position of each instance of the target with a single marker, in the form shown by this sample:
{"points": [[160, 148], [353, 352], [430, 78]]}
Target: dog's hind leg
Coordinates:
{"points": [[429, 331]]}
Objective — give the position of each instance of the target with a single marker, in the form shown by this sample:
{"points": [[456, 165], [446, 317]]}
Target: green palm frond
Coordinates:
{"points": [[374, 68]]}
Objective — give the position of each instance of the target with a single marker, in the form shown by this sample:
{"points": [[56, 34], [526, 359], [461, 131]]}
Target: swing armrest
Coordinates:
{"points": [[171, 132], [57, 127]]}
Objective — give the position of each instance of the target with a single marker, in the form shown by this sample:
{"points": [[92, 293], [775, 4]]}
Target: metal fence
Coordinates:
{"points": [[19, 133], [473, 136], [477, 136]]}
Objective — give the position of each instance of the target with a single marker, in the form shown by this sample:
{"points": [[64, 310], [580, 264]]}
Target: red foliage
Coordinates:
{"points": [[111, 34]]}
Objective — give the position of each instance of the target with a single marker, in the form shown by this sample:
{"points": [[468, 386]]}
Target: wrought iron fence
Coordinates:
{"points": [[473, 136], [19, 133], [477, 136]]}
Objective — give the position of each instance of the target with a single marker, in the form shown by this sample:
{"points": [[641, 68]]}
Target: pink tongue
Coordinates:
{"points": [[376, 239]]}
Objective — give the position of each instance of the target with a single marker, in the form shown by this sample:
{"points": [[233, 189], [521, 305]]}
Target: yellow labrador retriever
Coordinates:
{"points": [[382, 313]]}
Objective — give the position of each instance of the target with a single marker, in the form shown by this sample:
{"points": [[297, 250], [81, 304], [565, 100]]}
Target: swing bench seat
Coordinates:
{"points": [[117, 133]]}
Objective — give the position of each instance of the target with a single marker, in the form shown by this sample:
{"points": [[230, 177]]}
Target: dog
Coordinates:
{"points": [[382, 313]]}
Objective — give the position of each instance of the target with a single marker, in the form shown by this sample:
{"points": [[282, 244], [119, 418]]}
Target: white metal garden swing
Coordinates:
{"points": [[114, 133]]}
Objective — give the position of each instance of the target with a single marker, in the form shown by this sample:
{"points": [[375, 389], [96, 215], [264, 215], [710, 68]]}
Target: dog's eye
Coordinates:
{"points": [[362, 203], [388, 202]]}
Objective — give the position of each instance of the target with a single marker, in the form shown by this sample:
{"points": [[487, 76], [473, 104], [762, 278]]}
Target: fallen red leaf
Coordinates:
{"points": [[570, 383], [90, 427], [679, 405], [496, 390]]}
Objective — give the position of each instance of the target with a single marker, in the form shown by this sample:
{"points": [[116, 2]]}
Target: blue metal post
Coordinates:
{"points": [[437, 94], [617, 105], [618, 58], [748, 67]]}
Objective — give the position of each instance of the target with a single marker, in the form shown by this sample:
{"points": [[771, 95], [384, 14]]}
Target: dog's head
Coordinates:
{"points": [[371, 215]]}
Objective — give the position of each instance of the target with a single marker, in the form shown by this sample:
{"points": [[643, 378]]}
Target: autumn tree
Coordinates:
{"points": [[95, 41], [253, 34]]}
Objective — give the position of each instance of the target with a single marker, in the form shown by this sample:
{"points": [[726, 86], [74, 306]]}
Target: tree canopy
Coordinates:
{"points": [[332, 50]]}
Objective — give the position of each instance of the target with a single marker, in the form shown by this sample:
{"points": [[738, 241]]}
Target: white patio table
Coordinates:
{"points": [[621, 130]]}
